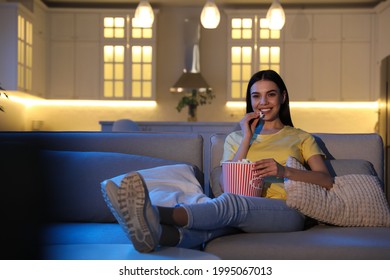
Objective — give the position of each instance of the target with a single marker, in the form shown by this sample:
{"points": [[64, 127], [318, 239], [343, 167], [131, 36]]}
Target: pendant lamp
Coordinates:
{"points": [[144, 15], [275, 16], [210, 15]]}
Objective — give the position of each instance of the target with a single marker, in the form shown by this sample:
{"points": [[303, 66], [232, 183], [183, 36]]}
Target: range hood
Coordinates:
{"points": [[193, 79]]}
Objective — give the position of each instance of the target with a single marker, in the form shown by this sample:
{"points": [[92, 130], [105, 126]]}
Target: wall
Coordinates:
{"points": [[170, 63], [22, 110]]}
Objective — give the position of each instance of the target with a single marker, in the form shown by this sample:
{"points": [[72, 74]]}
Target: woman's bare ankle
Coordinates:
{"points": [[180, 216], [170, 236], [173, 216]]}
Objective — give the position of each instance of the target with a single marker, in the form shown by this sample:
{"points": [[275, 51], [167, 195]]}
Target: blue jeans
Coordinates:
{"points": [[249, 214]]}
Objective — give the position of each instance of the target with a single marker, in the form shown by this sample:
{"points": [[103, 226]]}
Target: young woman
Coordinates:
{"points": [[267, 137]]}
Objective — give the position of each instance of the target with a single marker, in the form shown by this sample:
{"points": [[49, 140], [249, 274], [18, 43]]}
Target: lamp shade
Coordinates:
{"points": [[144, 15], [189, 81], [210, 15], [275, 16]]}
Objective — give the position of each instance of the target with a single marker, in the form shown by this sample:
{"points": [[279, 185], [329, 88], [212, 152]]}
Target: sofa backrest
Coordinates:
{"points": [[181, 147], [367, 147], [56, 176], [361, 146]]}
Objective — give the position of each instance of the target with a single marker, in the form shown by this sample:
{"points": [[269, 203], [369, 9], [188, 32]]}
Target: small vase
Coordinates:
{"points": [[192, 113]]}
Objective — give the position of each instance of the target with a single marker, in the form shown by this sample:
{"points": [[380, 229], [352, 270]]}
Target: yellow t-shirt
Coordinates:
{"points": [[289, 141]]}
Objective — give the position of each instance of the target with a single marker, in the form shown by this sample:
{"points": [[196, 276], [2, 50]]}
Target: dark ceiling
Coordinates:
{"points": [[221, 3]]}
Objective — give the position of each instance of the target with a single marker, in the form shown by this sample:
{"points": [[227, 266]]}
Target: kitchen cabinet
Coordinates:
{"points": [[75, 55], [328, 56], [16, 29], [40, 50]]}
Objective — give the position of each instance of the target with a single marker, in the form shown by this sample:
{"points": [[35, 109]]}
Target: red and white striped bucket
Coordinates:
{"points": [[239, 178]]}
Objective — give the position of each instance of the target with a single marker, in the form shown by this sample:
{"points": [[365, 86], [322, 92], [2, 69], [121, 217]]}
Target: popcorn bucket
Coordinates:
{"points": [[238, 178]]}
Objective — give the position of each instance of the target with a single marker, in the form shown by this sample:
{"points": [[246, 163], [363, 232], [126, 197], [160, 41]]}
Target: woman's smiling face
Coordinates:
{"points": [[266, 98]]}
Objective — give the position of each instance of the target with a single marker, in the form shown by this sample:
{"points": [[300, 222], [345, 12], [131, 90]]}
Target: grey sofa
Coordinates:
{"points": [[53, 208], [346, 154]]}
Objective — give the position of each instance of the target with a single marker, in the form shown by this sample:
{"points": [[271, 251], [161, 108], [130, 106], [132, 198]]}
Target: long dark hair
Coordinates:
{"points": [[270, 75]]}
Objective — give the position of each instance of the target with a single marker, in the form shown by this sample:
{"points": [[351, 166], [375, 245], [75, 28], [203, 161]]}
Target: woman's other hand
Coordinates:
{"points": [[268, 167], [318, 173]]}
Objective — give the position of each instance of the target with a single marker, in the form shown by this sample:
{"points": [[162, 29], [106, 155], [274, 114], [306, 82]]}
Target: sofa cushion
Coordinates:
{"points": [[83, 233], [169, 185], [72, 185], [215, 186], [354, 200], [322, 242]]}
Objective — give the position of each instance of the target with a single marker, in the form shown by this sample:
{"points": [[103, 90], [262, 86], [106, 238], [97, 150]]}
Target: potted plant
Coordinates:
{"points": [[193, 100], [2, 92]]}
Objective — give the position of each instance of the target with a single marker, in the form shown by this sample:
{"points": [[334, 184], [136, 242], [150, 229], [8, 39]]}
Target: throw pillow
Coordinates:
{"points": [[169, 185], [354, 200]]}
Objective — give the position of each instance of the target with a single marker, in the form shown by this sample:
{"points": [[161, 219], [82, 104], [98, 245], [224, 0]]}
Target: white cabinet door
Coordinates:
{"points": [[327, 27], [40, 52], [341, 57], [298, 71], [326, 71], [357, 27], [62, 70], [62, 26], [326, 57], [356, 79], [356, 57], [298, 27], [40, 22], [87, 65], [39, 67], [75, 56], [87, 51], [87, 27], [298, 56]]}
